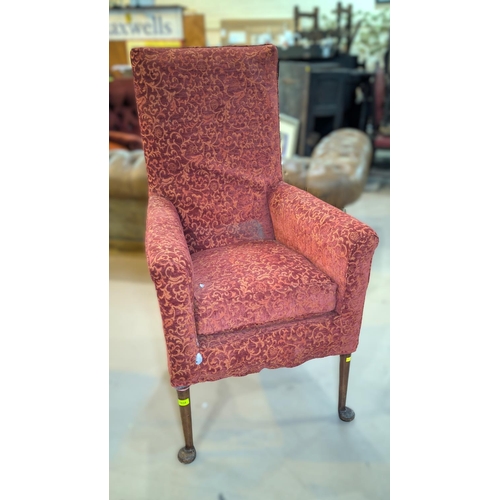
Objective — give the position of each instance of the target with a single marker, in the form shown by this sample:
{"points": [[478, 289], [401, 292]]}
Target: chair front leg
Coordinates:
{"points": [[345, 413], [188, 453]]}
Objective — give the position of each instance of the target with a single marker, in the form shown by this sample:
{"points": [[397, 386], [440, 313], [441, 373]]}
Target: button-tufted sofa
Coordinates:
{"points": [[124, 130], [337, 170], [128, 199]]}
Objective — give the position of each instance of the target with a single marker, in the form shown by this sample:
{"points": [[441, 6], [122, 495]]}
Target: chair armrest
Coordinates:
{"points": [[171, 270], [335, 242], [126, 139]]}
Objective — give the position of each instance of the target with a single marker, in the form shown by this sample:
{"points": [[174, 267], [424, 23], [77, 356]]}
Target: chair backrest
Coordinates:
{"points": [[122, 106], [210, 126]]}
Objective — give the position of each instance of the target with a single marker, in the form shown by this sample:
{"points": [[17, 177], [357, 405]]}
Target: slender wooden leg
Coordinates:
{"points": [[345, 413], [188, 453]]}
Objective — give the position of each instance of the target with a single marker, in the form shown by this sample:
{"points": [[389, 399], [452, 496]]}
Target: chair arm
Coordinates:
{"points": [[171, 270], [335, 242]]}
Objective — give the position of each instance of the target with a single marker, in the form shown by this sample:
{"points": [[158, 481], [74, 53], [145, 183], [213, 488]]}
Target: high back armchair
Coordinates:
{"points": [[250, 272]]}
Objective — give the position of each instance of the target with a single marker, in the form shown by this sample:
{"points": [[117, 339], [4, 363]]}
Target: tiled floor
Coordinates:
{"points": [[271, 435]]}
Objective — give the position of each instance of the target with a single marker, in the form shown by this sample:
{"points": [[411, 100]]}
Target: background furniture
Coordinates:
{"points": [[343, 34], [322, 96], [381, 138], [317, 53], [128, 199], [339, 167], [124, 129], [250, 272], [337, 170], [194, 30]]}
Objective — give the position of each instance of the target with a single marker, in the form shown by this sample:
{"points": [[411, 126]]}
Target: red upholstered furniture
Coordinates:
{"points": [[124, 131], [250, 272], [380, 140]]}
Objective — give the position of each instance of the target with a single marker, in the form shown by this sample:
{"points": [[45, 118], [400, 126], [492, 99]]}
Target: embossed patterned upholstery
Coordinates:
{"points": [[235, 287], [284, 274]]}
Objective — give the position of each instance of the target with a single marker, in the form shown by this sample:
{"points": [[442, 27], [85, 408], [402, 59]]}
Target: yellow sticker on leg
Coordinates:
{"points": [[183, 402], [348, 359]]}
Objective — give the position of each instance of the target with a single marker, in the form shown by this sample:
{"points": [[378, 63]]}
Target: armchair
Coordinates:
{"points": [[250, 272]]}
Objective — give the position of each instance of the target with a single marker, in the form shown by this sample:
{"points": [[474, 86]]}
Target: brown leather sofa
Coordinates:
{"points": [[128, 199], [337, 170], [124, 129]]}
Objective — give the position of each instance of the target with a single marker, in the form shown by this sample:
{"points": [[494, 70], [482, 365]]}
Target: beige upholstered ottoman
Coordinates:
{"points": [[337, 170], [128, 199]]}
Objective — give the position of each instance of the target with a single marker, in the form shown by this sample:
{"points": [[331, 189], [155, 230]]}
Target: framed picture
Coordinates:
{"points": [[289, 133]]}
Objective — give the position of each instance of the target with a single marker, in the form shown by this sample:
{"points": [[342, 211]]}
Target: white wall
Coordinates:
{"points": [[215, 10]]}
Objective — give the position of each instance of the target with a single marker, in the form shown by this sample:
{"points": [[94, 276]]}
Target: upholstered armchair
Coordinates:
{"points": [[250, 272]]}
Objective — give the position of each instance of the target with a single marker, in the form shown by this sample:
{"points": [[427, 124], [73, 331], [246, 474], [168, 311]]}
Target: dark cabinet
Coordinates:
{"points": [[322, 95]]}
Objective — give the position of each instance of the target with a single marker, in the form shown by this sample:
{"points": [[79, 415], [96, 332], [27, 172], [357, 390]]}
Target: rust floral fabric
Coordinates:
{"points": [[255, 283], [209, 121], [210, 127], [337, 243], [286, 343], [171, 270]]}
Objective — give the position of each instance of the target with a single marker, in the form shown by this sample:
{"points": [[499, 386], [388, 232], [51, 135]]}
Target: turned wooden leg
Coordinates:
{"points": [[188, 453], [345, 413]]}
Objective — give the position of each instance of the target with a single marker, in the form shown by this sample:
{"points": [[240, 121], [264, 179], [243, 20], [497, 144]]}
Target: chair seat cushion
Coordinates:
{"points": [[249, 284]]}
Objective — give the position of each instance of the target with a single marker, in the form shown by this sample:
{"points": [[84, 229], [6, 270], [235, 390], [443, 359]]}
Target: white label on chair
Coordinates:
{"points": [[199, 358]]}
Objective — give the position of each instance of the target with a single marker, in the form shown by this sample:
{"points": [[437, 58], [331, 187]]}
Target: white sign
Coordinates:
{"points": [[146, 24]]}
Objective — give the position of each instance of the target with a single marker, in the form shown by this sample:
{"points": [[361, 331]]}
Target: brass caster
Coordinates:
{"points": [[186, 455], [346, 414]]}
